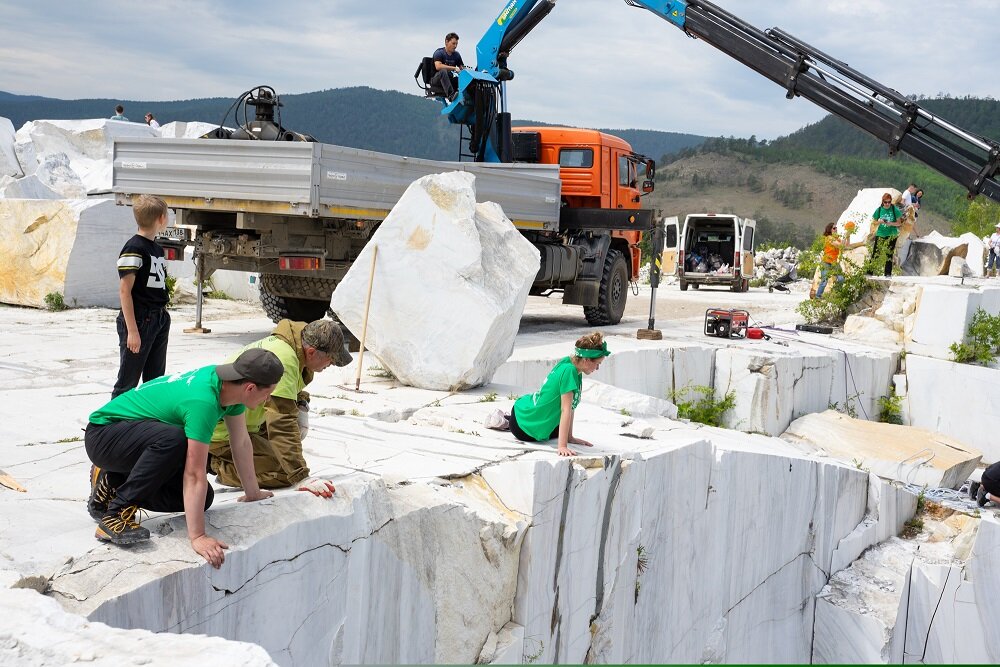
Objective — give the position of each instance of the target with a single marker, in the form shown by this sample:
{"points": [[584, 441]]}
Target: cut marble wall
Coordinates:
{"points": [[902, 453], [776, 386], [958, 400], [943, 314], [64, 246], [9, 165], [437, 237], [36, 631]]}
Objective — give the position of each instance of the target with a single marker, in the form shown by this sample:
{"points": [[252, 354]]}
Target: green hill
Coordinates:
{"points": [[380, 120]]}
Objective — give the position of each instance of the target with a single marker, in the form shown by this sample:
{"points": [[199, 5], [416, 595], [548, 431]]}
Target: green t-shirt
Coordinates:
{"points": [[289, 386], [190, 400], [884, 215], [538, 414]]}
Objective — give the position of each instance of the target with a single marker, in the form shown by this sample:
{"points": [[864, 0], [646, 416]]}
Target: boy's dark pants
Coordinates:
{"points": [[145, 461], [151, 360]]}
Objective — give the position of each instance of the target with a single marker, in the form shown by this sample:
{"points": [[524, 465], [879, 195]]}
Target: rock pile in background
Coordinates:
{"points": [[774, 263]]}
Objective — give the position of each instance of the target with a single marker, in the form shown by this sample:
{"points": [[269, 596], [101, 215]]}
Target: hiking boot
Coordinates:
{"points": [[101, 493], [120, 527], [981, 496]]}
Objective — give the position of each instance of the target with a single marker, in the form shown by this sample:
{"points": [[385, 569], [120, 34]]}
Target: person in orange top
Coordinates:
{"points": [[832, 248]]}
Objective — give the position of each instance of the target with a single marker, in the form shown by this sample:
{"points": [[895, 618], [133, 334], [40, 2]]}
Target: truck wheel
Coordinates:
{"points": [[684, 286], [276, 297], [745, 286], [613, 292], [696, 285]]}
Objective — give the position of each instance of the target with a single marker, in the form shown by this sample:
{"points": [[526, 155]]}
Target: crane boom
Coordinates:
{"points": [[802, 70]]}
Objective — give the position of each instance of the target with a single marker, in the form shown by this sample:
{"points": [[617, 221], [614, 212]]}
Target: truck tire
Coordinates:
{"points": [[684, 285], [278, 304], [696, 285], [613, 292], [745, 286]]}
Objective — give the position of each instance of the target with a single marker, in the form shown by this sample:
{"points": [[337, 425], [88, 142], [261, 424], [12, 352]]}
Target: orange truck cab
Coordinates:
{"points": [[595, 253]]}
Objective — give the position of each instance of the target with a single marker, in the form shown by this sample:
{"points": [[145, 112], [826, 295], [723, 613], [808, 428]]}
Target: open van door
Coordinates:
{"points": [[671, 238], [746, 251]]}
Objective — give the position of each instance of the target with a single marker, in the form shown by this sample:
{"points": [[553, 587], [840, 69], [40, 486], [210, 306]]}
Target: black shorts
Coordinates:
{"points": [[524, 437]]}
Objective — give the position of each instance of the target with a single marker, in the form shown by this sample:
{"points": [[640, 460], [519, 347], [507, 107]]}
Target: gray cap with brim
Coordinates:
{"points": [[257, 365]]}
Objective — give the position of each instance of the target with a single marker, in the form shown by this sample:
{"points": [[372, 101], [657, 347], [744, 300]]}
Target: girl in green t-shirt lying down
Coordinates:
{"points": [[548, 413]]}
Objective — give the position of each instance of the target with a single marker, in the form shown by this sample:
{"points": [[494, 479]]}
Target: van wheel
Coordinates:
{"points": [[613, 292], [696, 285], [684, 286], [745, 286]]}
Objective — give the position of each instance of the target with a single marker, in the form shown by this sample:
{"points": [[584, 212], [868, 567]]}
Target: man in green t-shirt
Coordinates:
{"points": [[149, 447], [278, 426]]}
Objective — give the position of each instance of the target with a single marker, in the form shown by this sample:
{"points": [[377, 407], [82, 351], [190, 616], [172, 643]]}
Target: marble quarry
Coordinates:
{"points": [[436, 237], [448, 542], [934, 255]]}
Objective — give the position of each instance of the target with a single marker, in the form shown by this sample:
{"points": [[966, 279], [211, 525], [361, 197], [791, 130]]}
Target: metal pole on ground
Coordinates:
{"points": [[364, 323], [199, 296], [651, 332]]}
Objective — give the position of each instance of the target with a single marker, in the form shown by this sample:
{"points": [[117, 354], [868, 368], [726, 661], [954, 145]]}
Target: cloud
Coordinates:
{"points": [[591, 62]]}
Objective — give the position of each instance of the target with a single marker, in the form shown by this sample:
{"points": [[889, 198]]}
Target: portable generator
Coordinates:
{"points": [[726, 323]]}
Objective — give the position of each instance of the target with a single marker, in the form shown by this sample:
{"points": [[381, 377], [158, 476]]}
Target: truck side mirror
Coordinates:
{"points": [[647, 186]]}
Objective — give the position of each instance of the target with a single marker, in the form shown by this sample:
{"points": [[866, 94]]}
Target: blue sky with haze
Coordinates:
{"points": [[594, 63]]}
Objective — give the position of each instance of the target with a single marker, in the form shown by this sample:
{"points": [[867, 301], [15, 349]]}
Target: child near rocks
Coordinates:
{"points": [[548, 413], [143, 322]]}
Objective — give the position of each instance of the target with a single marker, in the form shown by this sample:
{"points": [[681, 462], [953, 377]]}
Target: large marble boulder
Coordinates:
{"points": [[932, 255], [86, 144], [901, 453], [943, 314], [9, 166], [860, 210], [67, 246], [451, 280]]}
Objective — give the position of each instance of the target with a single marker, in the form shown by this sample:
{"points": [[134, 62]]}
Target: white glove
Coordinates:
{"points": [[303, 418], [318, 487]]}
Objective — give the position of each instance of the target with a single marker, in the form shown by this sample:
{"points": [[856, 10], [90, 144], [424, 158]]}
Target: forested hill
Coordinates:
{"points": [[836, 136], [380, 120]]}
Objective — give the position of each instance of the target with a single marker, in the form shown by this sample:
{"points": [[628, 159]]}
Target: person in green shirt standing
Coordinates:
{"points": [[548, 413], [149, 447], [890, 219]]}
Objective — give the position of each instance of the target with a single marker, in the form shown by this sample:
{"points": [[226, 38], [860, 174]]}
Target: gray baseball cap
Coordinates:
{"points": [[258, 365], [327, 337]]}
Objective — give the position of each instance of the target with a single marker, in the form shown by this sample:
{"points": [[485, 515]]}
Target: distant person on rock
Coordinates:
{"points": [[833, 245], [119, 113], [889, 219], [149, 448], [447, 62], [279, 425], [151, 121], [548, 413], [993, 263], [143, 322], [989, 488], [909, 195]]}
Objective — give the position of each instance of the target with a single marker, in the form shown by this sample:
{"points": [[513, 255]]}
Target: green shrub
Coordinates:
{"points": [[704, 409], [982, 341], [890, 408], [810, 257], [171, 287], [54, 301]]}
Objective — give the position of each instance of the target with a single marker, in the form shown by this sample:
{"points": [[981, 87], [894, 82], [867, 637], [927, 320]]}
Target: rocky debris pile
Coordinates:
{"points": [[774, 263], [436, 238]]}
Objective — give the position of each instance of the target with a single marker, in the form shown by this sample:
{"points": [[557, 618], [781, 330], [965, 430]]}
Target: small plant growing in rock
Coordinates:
{"points": [[380, 371], [913, 527], [54, 301], [532, 657], [982, 340], [705, 409], [218, 294], [489, 397], [75, 438], [890, 408], [355, 412], [625, 413], [512, 396]]}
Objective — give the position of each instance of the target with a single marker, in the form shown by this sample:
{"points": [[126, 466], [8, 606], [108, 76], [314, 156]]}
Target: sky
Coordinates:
{"points": [[590, 63]]}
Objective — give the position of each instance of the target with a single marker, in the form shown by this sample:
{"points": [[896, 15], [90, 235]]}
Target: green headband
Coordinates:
{"points": [[602, 351]]}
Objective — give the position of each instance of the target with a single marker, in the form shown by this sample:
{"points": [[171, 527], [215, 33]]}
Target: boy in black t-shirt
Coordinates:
{"points": [[143, 321]]}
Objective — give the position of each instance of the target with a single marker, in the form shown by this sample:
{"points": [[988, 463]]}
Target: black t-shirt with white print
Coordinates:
{"points": [[144, 259]]}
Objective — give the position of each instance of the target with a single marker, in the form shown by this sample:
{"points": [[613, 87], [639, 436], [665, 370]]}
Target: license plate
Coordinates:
{"points": [[174, 234]]}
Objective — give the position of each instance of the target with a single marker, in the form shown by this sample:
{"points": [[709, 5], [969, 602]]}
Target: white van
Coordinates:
{"points": [[711, 249]]}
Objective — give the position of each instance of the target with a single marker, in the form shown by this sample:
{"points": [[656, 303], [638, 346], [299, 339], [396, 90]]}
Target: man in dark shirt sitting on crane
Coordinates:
{"points": [[447, 62]]}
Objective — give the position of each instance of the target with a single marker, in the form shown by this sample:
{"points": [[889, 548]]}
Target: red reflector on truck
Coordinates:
{"points": [[170, 254], [299, 263]]}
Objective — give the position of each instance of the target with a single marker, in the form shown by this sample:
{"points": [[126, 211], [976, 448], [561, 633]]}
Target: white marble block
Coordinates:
{"points": [[68, 246], [932, 255], [86, 144], [451, 280], [626, 402], [943, 314], [9, 166], [958, 400], [186, 130], [902, 453]]}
